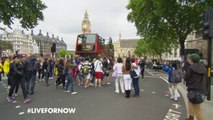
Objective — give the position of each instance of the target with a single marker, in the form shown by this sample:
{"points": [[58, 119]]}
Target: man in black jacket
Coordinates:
{"points": [[18, 73], [45, 69], [142, 64], [196, 79]]}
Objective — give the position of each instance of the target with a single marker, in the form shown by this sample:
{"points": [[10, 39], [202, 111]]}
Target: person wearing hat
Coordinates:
{"points": [[196, 79]]}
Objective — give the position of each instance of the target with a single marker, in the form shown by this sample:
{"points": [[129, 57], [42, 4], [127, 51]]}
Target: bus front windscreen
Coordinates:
{"points": [[89, 38]]}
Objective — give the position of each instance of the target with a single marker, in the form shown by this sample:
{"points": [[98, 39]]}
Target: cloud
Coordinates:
{"points": [[63, 18]]}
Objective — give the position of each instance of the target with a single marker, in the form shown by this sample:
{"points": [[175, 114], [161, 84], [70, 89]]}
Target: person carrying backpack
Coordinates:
{"points": [[61, 77], [106, 71], [174, 77], [86, 72]]}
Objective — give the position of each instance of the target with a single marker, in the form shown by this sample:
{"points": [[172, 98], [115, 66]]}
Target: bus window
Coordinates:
{"points": [[87, 38], [90, 38]]}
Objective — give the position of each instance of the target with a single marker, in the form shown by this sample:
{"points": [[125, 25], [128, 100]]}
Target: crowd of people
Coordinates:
{"points": [[86, 72]]}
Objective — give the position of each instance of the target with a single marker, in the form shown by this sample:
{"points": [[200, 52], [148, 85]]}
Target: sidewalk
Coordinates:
{"points": [[207, 106]]}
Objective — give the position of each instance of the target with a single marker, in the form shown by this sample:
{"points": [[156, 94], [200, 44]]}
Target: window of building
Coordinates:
{"points": [[175, 52], [166, 54]]}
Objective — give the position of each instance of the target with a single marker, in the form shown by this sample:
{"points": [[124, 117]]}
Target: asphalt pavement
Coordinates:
{"points": [[97, 103]]}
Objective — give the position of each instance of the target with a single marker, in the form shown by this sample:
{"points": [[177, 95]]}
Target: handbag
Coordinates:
{"points": [[133, 74], [195, 97]]}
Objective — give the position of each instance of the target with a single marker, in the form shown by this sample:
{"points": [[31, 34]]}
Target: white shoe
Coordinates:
{"points": [[116, 91], [172, 98], [8, 87], [91, 84], [15, 94], [73, 93], [67, 91], [108, 83]]}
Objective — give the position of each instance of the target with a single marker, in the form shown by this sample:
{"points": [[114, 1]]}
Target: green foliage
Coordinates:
{"points": [[70, 54], [63, 53], [167, 21], [4, 45], [28, 12], [150, 47]]}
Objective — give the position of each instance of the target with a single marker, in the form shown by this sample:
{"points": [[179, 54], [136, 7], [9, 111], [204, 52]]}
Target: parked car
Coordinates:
{"points": [[149, 64]]}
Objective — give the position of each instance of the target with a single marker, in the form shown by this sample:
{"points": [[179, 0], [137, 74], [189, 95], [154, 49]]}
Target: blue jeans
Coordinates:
{"points": [[70, 82], [30, 84], [28, 78], [51, 73], [136, 86], [78, 76], [0, 76]]}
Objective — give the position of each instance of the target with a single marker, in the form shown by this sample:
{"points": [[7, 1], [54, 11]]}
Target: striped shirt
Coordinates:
{"points": [[87, 63]]}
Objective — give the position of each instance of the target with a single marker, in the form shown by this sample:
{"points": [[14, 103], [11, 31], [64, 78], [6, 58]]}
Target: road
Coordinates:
{"points": [[97, 103]]}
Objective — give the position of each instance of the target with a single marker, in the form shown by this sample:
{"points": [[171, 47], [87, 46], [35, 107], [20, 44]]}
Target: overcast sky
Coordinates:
{"points": [[63, 18]]}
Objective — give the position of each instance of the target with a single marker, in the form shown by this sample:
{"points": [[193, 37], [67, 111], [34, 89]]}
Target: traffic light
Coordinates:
{"points": [[53, 48], [207, 23]]}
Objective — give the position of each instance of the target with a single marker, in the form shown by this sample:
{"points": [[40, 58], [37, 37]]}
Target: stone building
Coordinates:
{"points": [[195, 41], [124, 47], [21, 42], [45, 43], [31, 43]]}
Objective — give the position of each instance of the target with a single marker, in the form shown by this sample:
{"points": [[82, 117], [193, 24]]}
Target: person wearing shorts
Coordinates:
{"points": [[98, 71], [86, 72]]}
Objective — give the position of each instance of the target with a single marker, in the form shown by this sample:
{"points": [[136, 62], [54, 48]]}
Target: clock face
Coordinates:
{"points": [[84, 26]]}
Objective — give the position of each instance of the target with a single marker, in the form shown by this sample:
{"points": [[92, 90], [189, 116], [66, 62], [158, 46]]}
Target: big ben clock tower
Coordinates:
{"points": [[86, 26]]}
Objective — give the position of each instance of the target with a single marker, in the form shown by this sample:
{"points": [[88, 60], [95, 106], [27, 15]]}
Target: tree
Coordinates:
{"points": [[153, 47], [62, 53], [4, 45], [173, 19], [28, 12]]}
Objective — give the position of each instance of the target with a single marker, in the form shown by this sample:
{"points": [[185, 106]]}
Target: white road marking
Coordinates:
{"points": [[153, 92], [166, 95], [150, 77], [18, 106], [14, 101], [150, 73], [176, 105], [142, 90], [21, 113]]}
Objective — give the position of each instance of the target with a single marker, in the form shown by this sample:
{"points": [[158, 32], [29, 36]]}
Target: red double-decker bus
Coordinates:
{"points": [[92, 45]]}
